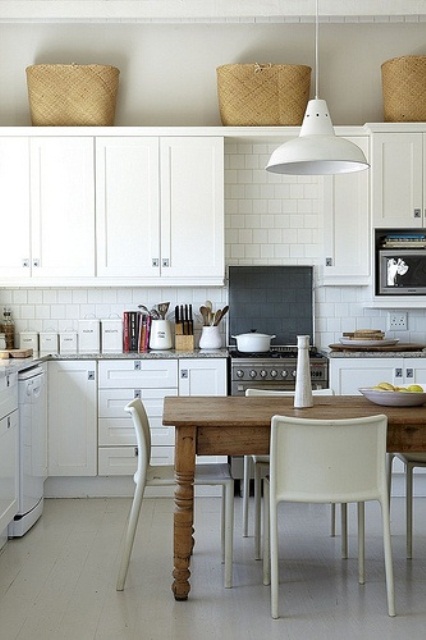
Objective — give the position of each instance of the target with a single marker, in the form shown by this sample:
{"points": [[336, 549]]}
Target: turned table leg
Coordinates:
{"points": [[184, 510]]}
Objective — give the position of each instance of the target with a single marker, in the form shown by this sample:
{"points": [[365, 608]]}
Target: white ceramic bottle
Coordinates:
{"points": [[303, 393]]}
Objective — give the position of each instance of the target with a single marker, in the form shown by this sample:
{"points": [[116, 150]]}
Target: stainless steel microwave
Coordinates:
{"points": [[401, 272]]}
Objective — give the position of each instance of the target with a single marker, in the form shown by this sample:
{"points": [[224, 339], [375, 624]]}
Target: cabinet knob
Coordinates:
{"points": [[25, 262], [398, 373], [417, 213], [36, 262], [410, 373], [184, 374], [155, 262], [165, 262]]}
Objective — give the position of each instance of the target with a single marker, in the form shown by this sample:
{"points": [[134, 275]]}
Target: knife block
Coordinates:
{"points": [[184, 343]]}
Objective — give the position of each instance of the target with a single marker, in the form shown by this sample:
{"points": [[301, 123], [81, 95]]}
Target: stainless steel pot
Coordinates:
{"points": [[253, 342]]}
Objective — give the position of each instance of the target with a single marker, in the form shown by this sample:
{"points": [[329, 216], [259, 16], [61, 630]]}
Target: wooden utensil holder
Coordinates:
{"points": [[184, 342]]}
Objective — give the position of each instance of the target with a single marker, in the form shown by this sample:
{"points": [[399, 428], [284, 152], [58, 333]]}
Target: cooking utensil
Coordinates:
{"points": [[163, 308], [144, 308], [205, 312], [222, 313], [253, 342]]}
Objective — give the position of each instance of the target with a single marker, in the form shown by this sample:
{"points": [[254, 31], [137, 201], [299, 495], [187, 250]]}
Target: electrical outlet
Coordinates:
{"points": [[397, 321]]}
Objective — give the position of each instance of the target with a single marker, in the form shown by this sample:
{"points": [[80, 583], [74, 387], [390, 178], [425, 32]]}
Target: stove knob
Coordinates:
{"points": [[240, 374], [263, 373], [284, 373], [294, 373], [273, 373], [253, 373]]}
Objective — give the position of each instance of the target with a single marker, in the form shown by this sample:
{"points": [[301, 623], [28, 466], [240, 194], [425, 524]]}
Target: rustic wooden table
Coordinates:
{"points": [[239, 426]]}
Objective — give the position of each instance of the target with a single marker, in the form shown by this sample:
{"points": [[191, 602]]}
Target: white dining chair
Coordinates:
{"points": [[259, 465], [411, 461], [322, 461], [164, 475]]}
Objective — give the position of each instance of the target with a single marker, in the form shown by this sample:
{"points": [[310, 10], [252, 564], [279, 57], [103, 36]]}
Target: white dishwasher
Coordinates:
{"points": [[32, 449]]}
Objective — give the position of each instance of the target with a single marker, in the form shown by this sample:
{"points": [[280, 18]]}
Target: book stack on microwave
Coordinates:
{"points": [[136, 331]]}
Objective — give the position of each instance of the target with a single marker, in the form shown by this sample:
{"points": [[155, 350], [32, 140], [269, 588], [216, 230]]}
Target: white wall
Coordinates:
{"points": [[168, 78], [168, 72]]}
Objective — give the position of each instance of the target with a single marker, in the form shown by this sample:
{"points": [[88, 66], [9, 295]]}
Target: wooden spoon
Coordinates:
{"points": [[222, 314], [205, 313]]}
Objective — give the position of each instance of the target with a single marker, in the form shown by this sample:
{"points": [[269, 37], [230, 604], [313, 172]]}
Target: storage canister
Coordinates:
{"points": [[112, 335], [68, 342], [28, 340], [89, 335], [49, 342]]}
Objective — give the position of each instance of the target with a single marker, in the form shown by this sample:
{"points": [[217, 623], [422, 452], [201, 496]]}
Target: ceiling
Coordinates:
{"points": [[205, 11]]}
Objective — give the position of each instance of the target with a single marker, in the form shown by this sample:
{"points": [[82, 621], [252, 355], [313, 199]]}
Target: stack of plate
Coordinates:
{"points": [[367, 338]]}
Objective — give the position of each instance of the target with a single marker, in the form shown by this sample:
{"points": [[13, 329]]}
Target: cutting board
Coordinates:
{"points": [[15, 353], [395, 347]]}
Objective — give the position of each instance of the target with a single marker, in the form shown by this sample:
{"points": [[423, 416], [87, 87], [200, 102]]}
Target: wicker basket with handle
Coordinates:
{"points": [[404, 89], [72, 94], [263, 94]]}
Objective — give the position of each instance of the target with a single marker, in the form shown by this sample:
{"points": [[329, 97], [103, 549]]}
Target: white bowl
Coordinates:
{"points": [[395, 398]]}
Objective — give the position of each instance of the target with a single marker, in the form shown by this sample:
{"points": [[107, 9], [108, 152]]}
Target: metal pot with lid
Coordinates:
{"points": [[253, 342]]}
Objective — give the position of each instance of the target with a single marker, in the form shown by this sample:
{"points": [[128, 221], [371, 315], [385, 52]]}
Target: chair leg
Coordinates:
{"points": [[333, 520], [257, 510], [266, 535], [274, 560], [246, 493], [344, 529], [387, 547], [409, 509], [228, 525], [130, 536], [361, 542]]}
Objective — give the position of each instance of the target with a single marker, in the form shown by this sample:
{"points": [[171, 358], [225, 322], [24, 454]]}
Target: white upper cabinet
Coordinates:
{"points": [[192, 209], [62, 207], [127, 207], [398, 170], [160, 209], [15, 207], [347, 226]]}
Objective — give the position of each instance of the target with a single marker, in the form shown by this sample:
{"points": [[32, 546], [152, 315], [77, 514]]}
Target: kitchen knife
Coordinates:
{"points": [[190, 321]]}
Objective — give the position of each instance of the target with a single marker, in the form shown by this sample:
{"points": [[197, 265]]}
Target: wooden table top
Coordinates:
{"points": [[236, 425], [258, 411]]}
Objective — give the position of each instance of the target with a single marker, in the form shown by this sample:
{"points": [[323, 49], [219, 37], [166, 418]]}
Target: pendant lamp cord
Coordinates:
{"points": [[316, 50]]}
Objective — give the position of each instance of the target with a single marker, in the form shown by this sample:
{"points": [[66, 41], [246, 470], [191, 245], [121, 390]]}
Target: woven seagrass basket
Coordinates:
{"points": [[263, 94], [404, 89], [72, 94]]}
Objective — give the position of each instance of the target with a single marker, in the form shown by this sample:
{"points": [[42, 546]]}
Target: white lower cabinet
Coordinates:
{"points": [[72, 410], [119, 382], [8, 469], [347, 375]]}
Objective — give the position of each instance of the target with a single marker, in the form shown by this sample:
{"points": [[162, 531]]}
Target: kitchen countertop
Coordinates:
{"points": [[15, 365], [375, 354]]}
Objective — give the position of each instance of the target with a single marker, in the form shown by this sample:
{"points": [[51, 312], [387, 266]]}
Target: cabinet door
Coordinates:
{"points": [[127, 207], [347, 226], [9, 475], [347, 375], [203, 377], [62, 207], [414, 371], [397, 179], [192, 209], [72, 413], [15, 207]]}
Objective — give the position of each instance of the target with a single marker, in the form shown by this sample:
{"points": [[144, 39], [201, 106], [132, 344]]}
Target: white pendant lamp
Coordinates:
{"points": [[317, 150]]}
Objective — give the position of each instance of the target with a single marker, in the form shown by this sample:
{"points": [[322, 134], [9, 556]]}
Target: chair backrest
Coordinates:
{"points": [[143, 434], [270, 392], [328, 460]]}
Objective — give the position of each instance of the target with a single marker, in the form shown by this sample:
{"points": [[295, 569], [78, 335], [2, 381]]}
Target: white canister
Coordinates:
{"points": [[28, 340], [68, 342], [89, 335], [48, 342], [160, 336], [112, 335]]}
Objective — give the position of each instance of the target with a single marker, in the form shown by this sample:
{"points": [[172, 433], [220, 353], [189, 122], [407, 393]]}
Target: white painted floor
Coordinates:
{"points": [[58, 582]]}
